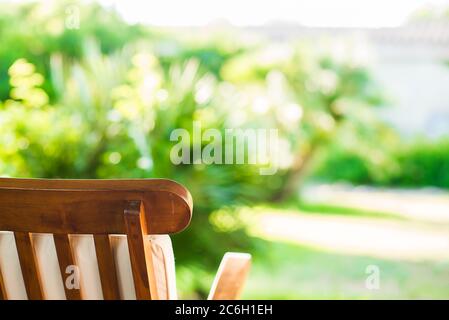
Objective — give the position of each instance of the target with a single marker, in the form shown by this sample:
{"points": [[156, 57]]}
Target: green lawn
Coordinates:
{"points": [[289, 270], [296, 272]]}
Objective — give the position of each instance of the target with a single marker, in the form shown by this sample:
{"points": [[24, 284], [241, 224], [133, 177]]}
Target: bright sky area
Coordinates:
{"points": [[322, 13]]}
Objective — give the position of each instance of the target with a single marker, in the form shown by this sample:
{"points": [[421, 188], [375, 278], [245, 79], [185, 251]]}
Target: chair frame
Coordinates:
{"points": [[135, 208]]}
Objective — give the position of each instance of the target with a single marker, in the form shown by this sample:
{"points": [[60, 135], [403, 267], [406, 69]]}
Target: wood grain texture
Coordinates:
{"points": [[106, 267], [66, 258], [3, 295], [231, 277], [140, 251], [83, 206], [28, 264], [159, 269]]}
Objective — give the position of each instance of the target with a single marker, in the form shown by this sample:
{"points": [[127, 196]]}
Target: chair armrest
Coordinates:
{"points": [[231, 276]]}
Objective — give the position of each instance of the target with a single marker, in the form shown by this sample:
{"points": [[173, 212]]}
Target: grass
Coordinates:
{"points": [[293, 271], [322, 208], [329, 209], [288, 271]]}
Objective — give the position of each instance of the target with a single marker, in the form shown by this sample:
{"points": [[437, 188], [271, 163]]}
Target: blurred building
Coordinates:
{"points": [[411, 62]]}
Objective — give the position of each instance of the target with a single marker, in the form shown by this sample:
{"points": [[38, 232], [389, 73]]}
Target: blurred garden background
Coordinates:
{"points": [[89, 90]]}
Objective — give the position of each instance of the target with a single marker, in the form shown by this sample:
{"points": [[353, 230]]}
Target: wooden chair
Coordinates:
{"points": [[119, 217]]}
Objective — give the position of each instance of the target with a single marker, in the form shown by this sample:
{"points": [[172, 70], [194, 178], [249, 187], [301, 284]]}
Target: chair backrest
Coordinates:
{"points": [[135, 208]]}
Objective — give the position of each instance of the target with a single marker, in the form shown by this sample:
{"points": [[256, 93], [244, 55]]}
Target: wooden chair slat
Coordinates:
{"points": [[160, 273], [139, 251], [3, 295], [231, 276], [28, 264], [66, 258], [106, 267]]}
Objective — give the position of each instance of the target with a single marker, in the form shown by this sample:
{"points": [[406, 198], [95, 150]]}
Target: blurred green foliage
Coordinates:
{"points": [[36, 31], [418, 163], [101, 102]]}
